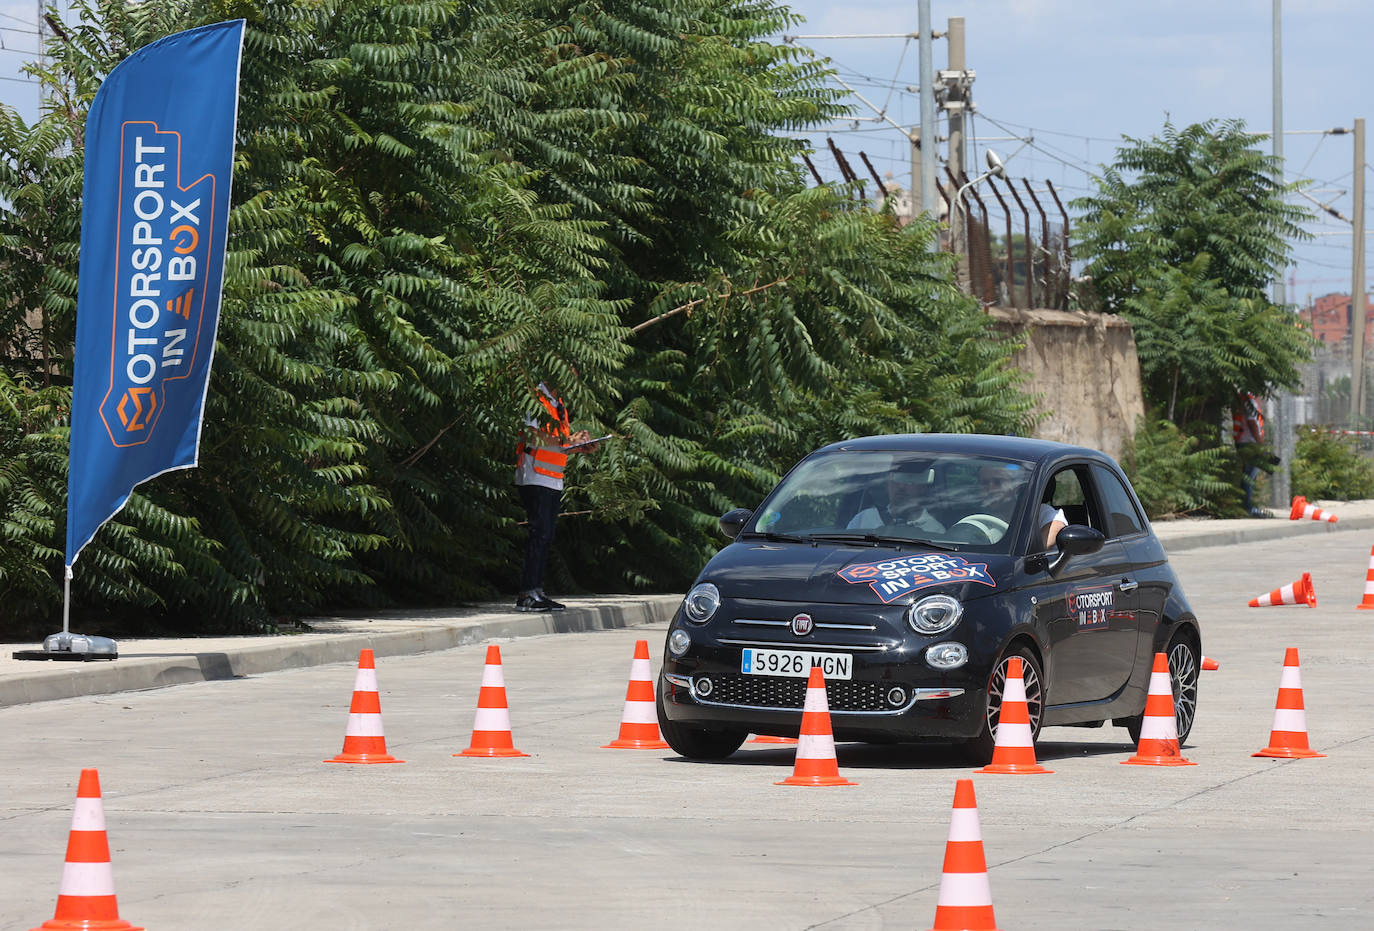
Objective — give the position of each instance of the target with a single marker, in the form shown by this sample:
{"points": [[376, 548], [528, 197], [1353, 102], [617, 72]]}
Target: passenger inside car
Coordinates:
{"points": [[905, 488]]}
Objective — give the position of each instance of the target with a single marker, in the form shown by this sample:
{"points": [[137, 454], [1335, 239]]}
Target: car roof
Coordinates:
{"points": [[1012, 447]]}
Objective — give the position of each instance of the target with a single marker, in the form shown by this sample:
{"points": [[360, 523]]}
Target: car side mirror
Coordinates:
{"points": [[1073, 540], [732, 522]]}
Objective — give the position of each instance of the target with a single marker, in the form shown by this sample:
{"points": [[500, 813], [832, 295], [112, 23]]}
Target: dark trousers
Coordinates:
{"points": [[541, 509]]}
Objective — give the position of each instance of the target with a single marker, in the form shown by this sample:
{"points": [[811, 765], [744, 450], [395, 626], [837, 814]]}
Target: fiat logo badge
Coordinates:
{"points": [[801, 625]]}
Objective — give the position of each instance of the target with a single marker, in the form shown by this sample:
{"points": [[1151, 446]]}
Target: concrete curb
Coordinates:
{"points": [[51, 681], [1256, 531], [134, 672]]}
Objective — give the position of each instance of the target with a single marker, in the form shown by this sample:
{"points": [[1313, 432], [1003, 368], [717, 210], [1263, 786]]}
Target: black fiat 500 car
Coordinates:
{"points": [[911, 569]]}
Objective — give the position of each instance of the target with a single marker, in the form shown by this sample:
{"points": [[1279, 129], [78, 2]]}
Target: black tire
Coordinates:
{"points": [[979, 749], [694, 743], [1183, 676]]}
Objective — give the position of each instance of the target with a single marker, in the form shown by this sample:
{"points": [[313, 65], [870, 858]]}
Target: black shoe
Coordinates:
{"points": [[549, 603], [532, 602]]}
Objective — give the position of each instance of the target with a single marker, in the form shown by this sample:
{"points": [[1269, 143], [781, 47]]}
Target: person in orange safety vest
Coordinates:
{"points": [[541, 458], [1247, 430]]}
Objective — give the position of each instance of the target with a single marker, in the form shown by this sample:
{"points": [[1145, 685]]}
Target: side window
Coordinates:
{"points": [[1123, 517], [1066, 492]]}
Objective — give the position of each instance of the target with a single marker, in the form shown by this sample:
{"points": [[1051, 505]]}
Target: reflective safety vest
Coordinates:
{"points": [[546, 457], [1240, 430]]}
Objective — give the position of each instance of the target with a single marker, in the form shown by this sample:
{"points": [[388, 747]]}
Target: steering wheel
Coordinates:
{"points": [[990, 528]]}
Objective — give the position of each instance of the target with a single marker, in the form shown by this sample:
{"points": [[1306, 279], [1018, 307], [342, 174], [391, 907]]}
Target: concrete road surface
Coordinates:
{"points": [[221, 814]]}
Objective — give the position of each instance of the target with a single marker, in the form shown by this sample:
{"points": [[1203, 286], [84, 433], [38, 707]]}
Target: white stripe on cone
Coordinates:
{"points": [[364, 725], [1159, 726], [963, 825], [491, 719], [639, 712], [1293, 720], [1290, 678], [88, 815], [365, 680], [491, 676], [87, 879], [965, 889], [816, 747]]}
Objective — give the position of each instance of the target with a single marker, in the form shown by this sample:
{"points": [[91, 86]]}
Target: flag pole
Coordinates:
{"points": [[67, 602]]}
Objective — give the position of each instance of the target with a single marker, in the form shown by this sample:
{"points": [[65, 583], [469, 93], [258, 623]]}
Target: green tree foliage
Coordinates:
{"points": [[1327, 467], [1183, 236], [1174, 475], [437, 204]]}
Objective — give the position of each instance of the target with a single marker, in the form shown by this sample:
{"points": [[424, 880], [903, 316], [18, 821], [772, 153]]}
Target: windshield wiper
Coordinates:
{"points": [[873, 539], [775, 537]]}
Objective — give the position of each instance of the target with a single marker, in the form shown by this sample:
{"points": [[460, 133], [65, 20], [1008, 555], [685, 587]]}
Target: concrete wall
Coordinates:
{"points": [[1085, 371]]}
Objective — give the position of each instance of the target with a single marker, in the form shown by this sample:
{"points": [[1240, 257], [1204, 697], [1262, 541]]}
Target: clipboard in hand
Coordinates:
{"points": [[591, 442]]}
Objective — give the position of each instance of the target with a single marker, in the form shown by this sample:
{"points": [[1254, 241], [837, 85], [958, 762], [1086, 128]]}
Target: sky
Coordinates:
{"points": [[1075, 76]]}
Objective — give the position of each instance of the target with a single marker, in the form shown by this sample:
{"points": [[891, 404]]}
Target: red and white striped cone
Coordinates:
{"points": [[639, 721], [965, 902], [86, 898], [1158, 727], [1368, 601], [491, 734], [1013, 745], [815, 763], [1288, 738], [1294, 593], [1301, 510], [771, 739], [364, 741], [1209, 664]]}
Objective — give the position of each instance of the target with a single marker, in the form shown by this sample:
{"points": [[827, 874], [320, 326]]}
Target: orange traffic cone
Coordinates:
{"points": [[770, 739], [1209, 664], [815, 763], [86, 898], [965, 902], [1159, 728], [1288, 738], [1368, 600], [1301, 509], [1013, 748], [1294, 593], [491, 734], [639, 721], [364, 741]]}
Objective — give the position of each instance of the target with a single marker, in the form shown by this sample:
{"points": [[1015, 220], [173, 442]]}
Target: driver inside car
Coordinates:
{"points": [[1001, 484], [907, 489]]}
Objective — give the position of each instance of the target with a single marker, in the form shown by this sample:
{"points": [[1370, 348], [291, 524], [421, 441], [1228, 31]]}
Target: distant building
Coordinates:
{"points": [[1330, 315]]}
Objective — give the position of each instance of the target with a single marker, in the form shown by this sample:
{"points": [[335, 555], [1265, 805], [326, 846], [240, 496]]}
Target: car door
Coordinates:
{"points": [[1088, 610], [1144, 554]]}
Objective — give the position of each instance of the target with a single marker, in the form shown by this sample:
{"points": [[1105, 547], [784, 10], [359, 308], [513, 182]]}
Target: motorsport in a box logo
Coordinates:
{"points": [[161, 279], [890, 579]]}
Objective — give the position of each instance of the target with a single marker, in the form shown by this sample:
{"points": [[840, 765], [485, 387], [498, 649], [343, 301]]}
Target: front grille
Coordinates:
{"points": [[779, 692]]}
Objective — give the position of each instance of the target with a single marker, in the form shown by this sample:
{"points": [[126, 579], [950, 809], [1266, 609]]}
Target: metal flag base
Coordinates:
{"points": [[72, 648]]}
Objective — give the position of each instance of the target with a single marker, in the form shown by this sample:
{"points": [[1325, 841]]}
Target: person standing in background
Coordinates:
{"points": [[541, 458], [1247, 429]]}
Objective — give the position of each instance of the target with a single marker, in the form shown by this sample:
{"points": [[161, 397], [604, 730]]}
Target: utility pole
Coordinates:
{"points": [[955, 85], [929, 199], [1284, 440], [1357, 300]]}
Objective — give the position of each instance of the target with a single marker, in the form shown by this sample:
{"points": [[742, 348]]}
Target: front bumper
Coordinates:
{"points": [[715, 696]]}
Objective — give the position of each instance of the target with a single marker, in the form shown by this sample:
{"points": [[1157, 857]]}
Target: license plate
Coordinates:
{"points": [[796, 663]]}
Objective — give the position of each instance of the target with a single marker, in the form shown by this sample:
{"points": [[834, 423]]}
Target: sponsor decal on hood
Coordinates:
{"points": [[893, 578]]}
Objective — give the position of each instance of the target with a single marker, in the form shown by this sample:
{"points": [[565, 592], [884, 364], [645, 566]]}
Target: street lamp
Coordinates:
{"points": [[995, 167]]}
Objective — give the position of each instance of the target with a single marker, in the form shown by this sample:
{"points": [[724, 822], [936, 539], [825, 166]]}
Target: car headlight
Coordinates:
{"points": [[701, 603], [934, 614]]}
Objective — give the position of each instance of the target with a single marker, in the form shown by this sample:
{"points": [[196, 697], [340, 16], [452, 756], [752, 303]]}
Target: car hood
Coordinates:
{"points": [[852, 574]]}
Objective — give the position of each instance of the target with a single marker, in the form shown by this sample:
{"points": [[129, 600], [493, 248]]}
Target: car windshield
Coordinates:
{"points": [[951, 500]]}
